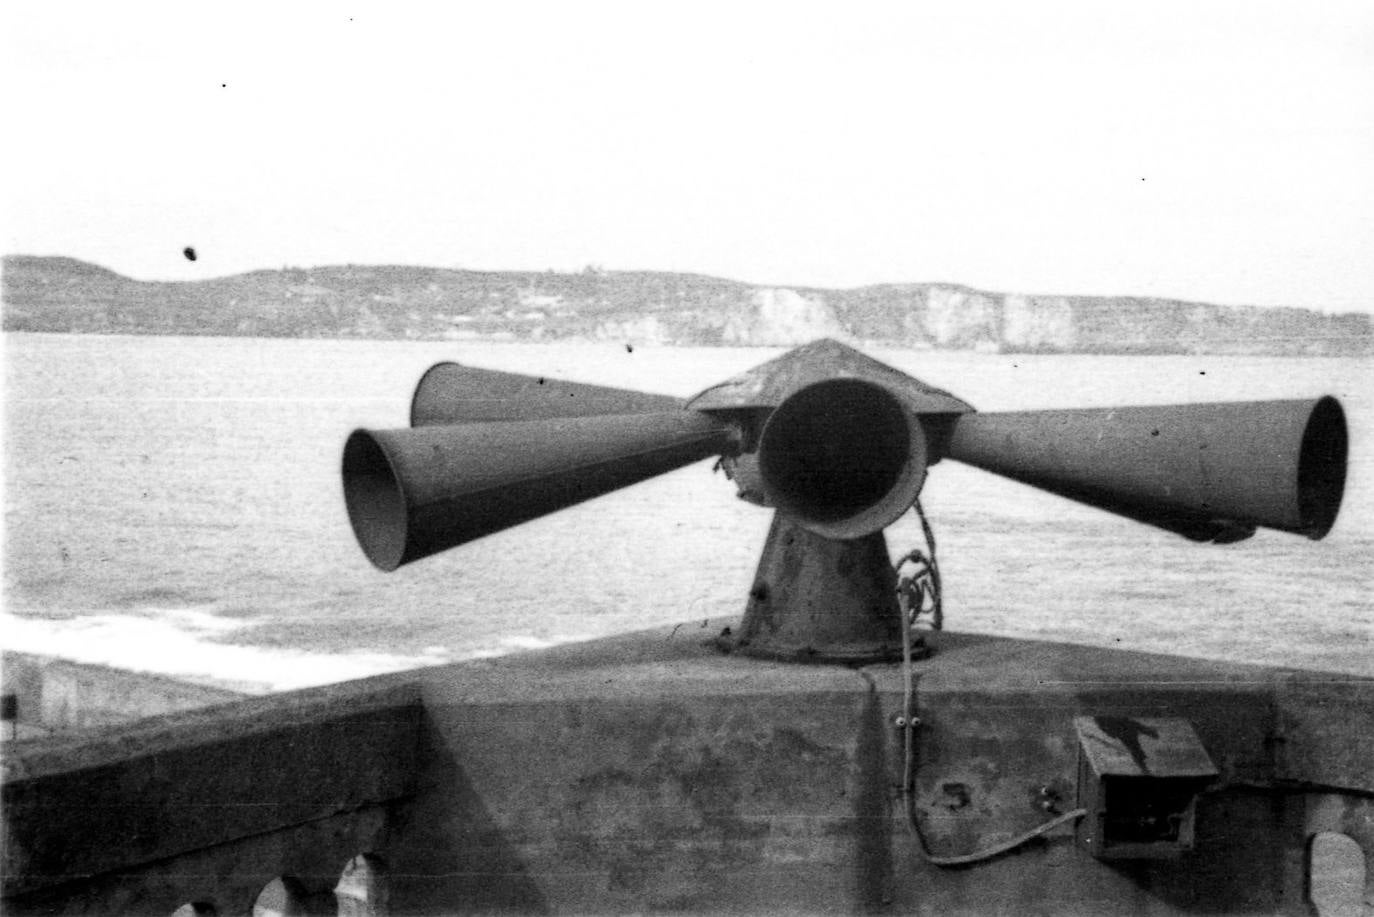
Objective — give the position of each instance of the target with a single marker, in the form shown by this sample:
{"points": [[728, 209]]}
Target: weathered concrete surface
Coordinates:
{"points": [[1324, 730], [117, 799], [55, 694], [230, 875], [650, 772], [670, 778], [630, 803]]}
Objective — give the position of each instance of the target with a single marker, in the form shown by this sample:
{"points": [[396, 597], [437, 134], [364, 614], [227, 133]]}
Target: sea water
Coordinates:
{"points": [[173, 504]]}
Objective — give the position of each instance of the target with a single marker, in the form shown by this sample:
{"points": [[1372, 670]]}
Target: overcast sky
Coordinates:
{"points": [[1212, 151]]}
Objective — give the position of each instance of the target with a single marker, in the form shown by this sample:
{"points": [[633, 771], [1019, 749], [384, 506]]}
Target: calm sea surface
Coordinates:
{"points": [[173, 505]]}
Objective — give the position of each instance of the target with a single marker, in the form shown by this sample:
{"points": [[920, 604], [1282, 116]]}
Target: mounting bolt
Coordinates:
{"points": [[1049, 799]]}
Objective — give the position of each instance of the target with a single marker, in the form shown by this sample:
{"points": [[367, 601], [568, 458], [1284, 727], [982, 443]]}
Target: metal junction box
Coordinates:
{"points": [[1138, 779]]}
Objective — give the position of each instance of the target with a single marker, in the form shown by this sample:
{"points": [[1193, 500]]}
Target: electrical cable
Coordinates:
{"points": [[909, 724], [937, 593], [924, 580]]}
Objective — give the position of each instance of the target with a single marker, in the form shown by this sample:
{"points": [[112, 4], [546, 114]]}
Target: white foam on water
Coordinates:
{"points": [[179, 643], [524, 642], [504, 646], [201, 621]]}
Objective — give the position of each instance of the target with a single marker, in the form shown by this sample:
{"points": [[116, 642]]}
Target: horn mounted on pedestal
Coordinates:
{"points": [[838, 444]]}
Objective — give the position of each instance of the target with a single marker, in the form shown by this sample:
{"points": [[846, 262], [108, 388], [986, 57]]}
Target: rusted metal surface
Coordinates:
{"points": [[450, 393], [1138, 780], [411, 493], [1210, 472], [815, 599], [842, 457], [769, 384], [832, 437], [1121, 746]]}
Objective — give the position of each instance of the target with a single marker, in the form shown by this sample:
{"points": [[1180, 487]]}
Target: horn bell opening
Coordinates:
{"points": [[1321, 467], [843, 457], [376, 503]]}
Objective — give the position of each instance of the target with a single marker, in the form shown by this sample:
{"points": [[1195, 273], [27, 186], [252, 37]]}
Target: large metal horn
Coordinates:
{"points": [[494, 449], [843, 457], [414, 492], [450, 393], [1210, 472]]}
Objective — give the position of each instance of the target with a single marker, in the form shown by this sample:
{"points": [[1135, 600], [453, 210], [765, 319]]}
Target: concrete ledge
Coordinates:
{"points": [[651, 772], [79, 806], [55, 694]]}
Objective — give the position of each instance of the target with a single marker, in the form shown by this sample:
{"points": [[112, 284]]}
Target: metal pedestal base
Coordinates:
{"points": [[818, 600]]}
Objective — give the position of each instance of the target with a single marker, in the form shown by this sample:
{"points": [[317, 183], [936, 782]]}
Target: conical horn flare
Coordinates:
{"points": [[414, 492], [843, 457], [449, 393], [1210, 472]]}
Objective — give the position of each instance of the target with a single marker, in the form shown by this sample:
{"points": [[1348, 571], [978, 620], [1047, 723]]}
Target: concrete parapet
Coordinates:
{"points": [[53, 695], [650, 772]]}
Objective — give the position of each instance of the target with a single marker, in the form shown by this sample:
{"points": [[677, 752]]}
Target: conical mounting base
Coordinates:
{"points": [[819, 600]]}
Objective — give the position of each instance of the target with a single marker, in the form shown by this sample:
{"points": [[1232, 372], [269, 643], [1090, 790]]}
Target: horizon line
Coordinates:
{"points": [[596, 269]]}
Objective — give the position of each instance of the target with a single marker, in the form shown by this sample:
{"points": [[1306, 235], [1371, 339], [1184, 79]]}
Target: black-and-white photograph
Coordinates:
{"points": [[616, 458]]}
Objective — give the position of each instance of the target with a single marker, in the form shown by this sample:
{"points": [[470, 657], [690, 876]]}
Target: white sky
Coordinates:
{"points": [[1211, 151]]}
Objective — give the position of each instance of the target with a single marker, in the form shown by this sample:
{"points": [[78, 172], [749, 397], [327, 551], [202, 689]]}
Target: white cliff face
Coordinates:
{"points": [[962, 318], [67, 296], [1044, 323], [782, 317]]}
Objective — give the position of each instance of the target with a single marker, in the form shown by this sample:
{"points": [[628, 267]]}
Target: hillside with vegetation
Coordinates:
{"points": [[53, 294]]}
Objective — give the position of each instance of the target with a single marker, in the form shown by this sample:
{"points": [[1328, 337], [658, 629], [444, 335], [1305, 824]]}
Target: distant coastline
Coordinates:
{"points": [[64, 295]]}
